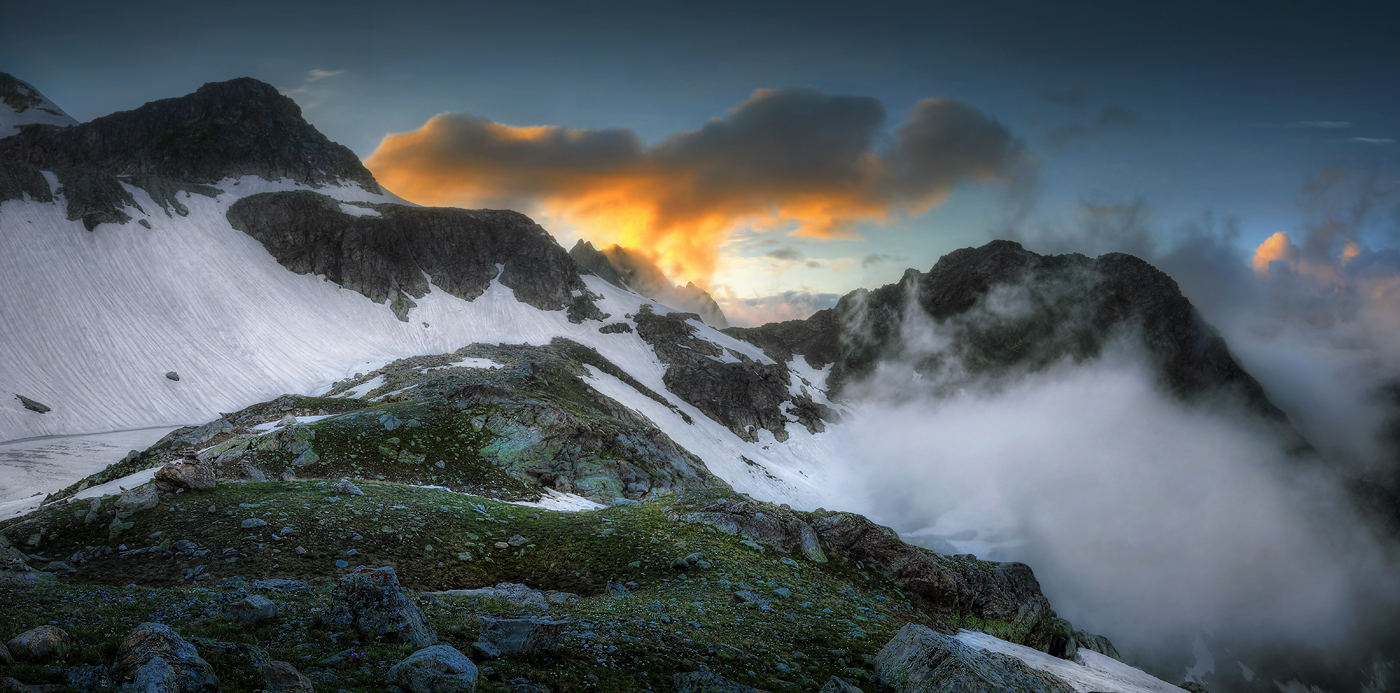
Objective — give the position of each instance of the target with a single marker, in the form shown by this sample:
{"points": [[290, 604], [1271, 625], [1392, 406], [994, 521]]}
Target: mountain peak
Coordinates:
{"points": [[224, 129], [21, 104]]}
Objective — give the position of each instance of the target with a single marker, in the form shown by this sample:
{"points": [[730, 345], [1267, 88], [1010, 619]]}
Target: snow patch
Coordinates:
{"points": [[473, 362], [563, 502], [359, 391], [358, 211], [1097, 673], [264, 427]]}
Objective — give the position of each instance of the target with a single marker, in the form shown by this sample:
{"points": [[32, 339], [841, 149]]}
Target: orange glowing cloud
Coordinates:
{"points": [[1276, 248], [795, 160]]}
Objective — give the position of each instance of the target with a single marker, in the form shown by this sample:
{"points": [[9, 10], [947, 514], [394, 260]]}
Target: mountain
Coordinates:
{"points": [[630, 270], [327, 350], [21, 104]]}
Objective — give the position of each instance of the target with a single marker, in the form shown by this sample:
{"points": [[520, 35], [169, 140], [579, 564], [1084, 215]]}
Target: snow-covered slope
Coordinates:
{"points": [[92, 322], [22, 104], [1093, 671]]}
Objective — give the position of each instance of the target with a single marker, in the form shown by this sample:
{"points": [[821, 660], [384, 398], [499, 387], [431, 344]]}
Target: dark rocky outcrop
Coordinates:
{"points": [[631, 270], [17, 95], [385, 257], [224, 129], [436, 669], [371, 601], [33, 405], [500, 637], [155, 657], [1048, 308], [921, 660], [1001, 599], [18, 179], [738, 392]]}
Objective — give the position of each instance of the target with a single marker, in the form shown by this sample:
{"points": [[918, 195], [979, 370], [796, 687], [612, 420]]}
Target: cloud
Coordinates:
{"points": [[307, 96], [876, 258], [783, 254], [797, 160], [318, 75], [789, 305], [1318, 124], [1371, 140]]}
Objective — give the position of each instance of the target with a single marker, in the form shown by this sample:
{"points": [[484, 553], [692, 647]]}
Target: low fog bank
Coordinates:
{"points": [[1146, 520]]}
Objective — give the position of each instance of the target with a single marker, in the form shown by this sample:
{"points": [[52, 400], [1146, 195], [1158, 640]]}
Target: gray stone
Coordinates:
{"points": [[1096, 643], [251, 611], [191, 476], [281, 585], [281, 676], [143, 497], [838, 685], [288, 420], [6, 659], [747, 597], [88, 679], [708, 682], [348, 488], [920, 660], [253, 522], [437, 669], [40, 644], [506, 636], [155, 658], [371, 601], [172, 375], [1062, 643]]}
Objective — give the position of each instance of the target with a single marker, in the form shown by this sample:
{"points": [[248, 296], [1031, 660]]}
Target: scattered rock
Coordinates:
{"points": [[348, 488], [281, 585], [371, 601], [506, 636], [747, 597], [32, 405], [517, 540], [920, 660], [838, 685], [251, 611], [185, 474], [253, 522], [281, 676], [40, 644], [143, 497], [172, 374], [708, 682], [517, 594], [437, 669], [155, 658]]}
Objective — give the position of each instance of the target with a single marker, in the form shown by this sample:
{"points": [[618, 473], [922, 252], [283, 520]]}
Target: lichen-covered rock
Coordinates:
{"points": [[155, 658], [1004, 598], [371, 601], [88, 679], [839, 685], [5, 657], [41, 644], [436, 669], [1096, 643], [251, 611], [920, 660], [506, 636], [190, 475], [281, 676], [134, 500], [769, 525]]}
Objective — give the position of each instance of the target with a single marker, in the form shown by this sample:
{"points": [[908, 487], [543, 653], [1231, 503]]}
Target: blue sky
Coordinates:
{"points": [[1188, 109]]}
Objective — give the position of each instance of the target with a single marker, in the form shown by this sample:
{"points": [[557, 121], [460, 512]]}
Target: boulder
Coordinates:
{"points": [[190, 475], [920, 660], [88, 679], [6, 659], [1062, 643], [436, 669], [506, 636], [12, 685], [281, 676], [371, 601], [172, 375], [345, 487], [1096, 643], [155, 658], [143, 497], [40, 644], [32, 405], [838, 685], [949, 588], [251, 611], [708, 682], [281, 585]]}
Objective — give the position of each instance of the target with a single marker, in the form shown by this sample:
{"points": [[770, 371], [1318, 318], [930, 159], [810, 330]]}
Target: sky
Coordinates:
{"points": [[756, 148]]}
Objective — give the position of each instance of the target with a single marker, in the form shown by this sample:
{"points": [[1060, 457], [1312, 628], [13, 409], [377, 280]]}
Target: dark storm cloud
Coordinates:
{"points": [[797, 159]]}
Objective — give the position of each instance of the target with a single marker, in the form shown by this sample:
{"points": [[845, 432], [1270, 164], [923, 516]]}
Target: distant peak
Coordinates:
{"points": [[21, 104]]}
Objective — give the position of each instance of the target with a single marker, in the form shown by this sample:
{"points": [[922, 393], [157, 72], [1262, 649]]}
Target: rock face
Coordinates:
{"points": [[630, 270], [156, 658], [32, 405], [1096, 643], [775, 527], [251, 611], [1045, 308], [507, 636], [437, 669], [385, 256], [40, 644], [281, 676], [224, 129], [921, 660], [1001, 599], [371, 601]]}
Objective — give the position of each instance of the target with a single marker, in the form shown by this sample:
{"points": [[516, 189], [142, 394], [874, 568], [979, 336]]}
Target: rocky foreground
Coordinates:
{"points": [[366, 585]]}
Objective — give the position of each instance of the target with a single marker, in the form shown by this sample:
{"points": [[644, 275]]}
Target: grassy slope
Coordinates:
{"points": [[836, 617]]}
